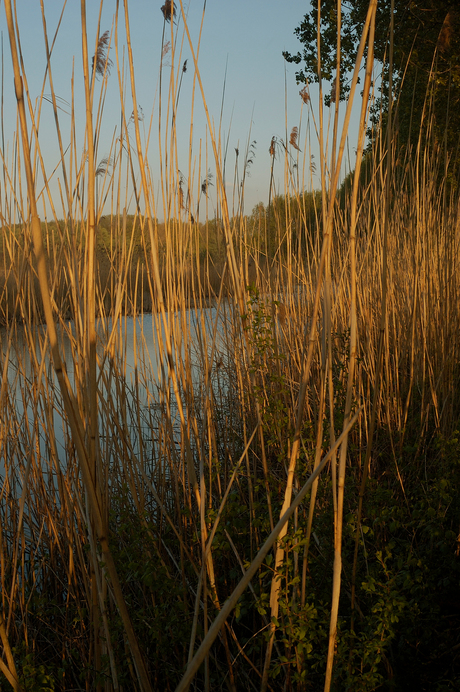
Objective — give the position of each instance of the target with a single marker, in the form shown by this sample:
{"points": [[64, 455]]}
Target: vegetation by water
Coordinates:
{"points": [[126, 235], [155, 557]]}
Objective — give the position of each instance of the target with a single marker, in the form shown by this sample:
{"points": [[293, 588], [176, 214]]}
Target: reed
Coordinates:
{"points": [[260, 493]]}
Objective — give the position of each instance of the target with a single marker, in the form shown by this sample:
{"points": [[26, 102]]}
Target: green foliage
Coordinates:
{"points": [[267, 367], [287, 222], [426, 60], [365, 177], [154, 593], [35, 678], [406, 630]]}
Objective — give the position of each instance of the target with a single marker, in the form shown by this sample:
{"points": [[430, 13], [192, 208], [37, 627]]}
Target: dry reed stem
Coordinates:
{"points": [[382, 330], [255, 564], [352, 355], [54, 514], [274, 595]]}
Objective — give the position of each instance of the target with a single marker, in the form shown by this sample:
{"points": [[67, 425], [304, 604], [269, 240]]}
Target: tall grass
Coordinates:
{"points": [[259, 495]]}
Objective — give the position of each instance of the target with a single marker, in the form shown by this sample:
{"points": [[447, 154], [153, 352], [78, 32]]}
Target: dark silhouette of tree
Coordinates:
{"points": [[426, 73]]}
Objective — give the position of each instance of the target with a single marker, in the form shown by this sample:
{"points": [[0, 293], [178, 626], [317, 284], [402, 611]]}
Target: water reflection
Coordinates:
{"points": [[134, 384]]}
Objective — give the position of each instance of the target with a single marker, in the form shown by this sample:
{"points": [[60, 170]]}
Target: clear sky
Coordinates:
{"points": [[241, 48]]}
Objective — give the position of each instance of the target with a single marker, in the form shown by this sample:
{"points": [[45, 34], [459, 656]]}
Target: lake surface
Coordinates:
{"points": [[134, 377]]}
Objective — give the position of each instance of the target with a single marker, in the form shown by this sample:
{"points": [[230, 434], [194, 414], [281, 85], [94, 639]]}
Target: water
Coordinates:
{"points": [[134, 385]]}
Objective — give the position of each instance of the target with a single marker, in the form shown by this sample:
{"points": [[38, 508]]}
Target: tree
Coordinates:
{"points": [[426, 60]]}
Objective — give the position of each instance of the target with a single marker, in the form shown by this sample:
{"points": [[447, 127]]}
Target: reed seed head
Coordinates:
{"points": [[304, 94], [166, 48], [169, 10], [293, 138], [101, 62], [104, 165], [334, 90], [206, 183]]}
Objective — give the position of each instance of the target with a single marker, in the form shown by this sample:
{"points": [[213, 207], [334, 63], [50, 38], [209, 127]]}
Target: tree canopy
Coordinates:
{"points": [[426, 59]]}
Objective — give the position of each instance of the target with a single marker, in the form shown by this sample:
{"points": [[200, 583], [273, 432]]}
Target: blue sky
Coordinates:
{"points": [[241, 47]]}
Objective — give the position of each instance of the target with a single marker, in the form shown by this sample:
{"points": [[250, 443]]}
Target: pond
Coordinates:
{"points": [[134, 385]]}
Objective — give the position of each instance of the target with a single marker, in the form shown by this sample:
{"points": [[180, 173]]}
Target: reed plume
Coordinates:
{"points": [[103, 166], [253, 383], [169, 10], [206, 183], [101, 62], [334, 90], [293, 138], [166, 49], [304, 94]]}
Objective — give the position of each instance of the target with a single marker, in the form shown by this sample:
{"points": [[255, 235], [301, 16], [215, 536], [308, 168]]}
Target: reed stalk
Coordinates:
{"points": [[172, 383]]}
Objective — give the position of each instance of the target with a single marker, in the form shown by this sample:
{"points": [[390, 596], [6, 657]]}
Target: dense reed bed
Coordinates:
{"points": [[262, 493]]}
